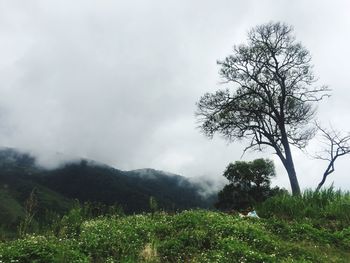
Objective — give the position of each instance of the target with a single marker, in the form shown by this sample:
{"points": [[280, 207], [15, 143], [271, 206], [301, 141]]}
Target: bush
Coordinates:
{"points": [[41, 249], [249, 184], [119, 237]]}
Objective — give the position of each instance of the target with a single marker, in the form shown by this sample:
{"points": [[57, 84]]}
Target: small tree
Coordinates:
{"points": [[272, 95], [249, 184], [336, 145]]}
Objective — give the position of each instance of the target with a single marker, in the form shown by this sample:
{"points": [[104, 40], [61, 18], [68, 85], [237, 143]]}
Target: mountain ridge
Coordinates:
{"points": [[90, 181]]}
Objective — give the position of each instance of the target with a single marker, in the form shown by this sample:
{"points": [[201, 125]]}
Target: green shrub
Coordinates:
{"points": [[190, 236], [118, 237], [249, 184], [41, 249]]}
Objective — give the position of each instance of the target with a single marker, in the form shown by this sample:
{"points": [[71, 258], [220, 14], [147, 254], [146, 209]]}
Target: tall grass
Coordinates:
{"points": [[328, 205]]}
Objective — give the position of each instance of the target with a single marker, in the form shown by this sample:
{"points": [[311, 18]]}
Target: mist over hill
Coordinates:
{"points": [[89, 181]]}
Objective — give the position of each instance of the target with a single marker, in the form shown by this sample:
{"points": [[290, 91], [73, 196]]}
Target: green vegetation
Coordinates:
{"points": [[293, 229], [48, 225], [326, 208], [249, 184], [57, 190]]}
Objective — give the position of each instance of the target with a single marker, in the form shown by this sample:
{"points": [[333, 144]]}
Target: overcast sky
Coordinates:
{"points": [[117, 81]]}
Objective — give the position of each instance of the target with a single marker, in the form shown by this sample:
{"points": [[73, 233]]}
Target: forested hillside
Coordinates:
{"points": [[86, 181]]}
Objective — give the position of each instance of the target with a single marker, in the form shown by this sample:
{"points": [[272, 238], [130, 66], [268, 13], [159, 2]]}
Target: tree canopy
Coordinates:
{"points": [[249, 183], [271, 98]]}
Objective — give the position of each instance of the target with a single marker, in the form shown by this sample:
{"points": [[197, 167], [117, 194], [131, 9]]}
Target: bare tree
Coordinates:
{"points": [[271, 100], [336, 145]]}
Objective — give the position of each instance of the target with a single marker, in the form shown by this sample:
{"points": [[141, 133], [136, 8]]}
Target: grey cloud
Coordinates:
{"points": [[117, 81]]}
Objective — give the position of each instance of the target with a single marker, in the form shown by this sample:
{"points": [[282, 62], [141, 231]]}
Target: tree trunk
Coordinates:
{"points": [[329, 170], [289, 165], [321, 183], [292, 177]]}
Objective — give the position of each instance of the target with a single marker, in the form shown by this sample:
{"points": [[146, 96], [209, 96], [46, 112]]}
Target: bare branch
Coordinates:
{"points": [[271, 102], [337, 145]]}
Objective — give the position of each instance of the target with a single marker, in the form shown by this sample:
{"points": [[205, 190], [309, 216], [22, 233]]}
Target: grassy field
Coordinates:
{"points": [[304, 235]]}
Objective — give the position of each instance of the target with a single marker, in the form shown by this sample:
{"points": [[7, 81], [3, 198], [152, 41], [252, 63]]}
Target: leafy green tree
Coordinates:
{"points": [[271, 102], [249, 184]]}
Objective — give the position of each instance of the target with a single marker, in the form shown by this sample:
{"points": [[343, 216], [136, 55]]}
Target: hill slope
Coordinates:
{"points": [[88, 181], [191, 236]]}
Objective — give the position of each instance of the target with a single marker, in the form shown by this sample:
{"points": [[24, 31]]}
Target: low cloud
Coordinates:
{"points": [[117, 82]]}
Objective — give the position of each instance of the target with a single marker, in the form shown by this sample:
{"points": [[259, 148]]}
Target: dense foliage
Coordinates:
{"points": [[249, 184]]}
